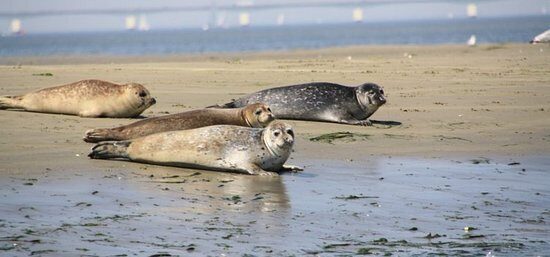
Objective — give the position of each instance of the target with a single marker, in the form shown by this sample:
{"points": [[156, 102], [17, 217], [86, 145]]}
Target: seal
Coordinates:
{"points": [[319, 101], [543, 37], [255, 115], [255, 151], [85, 98]]}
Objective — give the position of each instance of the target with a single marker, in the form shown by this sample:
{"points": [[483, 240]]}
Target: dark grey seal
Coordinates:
{"points": [[319, 101]]}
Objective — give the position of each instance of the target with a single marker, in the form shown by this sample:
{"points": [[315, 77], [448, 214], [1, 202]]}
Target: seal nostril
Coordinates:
{"points": [[153, 101]]}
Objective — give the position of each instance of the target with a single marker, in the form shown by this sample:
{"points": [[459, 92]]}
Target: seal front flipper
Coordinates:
{"points": [[110, 150], [254, 169], [226, 105], [291, 168], [10, 102], [365, 122]]}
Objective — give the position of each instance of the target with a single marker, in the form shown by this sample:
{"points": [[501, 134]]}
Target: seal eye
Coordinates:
{"points": [[276, 133], [269, 109], [142, 94], [290, 132], [258, 112]]}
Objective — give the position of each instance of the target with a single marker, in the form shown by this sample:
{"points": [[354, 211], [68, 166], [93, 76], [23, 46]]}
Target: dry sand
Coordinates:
{"points": [[489, 104]]}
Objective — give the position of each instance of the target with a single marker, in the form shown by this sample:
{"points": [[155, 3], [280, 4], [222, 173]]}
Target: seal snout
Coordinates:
{"points": [[152, 101], [382, 99]]}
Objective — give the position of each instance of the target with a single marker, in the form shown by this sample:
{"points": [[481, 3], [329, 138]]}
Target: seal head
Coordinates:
{"points": [[257, 115], [370, 96], [278, 137], [140, 98]]}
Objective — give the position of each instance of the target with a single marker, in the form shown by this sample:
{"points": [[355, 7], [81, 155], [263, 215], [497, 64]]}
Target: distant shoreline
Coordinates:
{"points": [[269, 39], [249, 55]]}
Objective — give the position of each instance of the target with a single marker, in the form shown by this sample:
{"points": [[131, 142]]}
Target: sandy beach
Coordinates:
{"points": [[463, 142]]}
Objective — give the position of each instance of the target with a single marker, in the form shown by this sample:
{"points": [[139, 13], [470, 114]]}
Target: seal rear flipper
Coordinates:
{"points": [[227, 105], [110, 150], [98, 135], [10, 102]]}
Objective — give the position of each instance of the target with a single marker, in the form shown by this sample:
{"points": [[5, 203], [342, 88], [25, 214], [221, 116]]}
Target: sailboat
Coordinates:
{"points": [[143, 24], [281, 19], [244, 19], [471, 10], [131, 22], [357, 15], [16, 28]]}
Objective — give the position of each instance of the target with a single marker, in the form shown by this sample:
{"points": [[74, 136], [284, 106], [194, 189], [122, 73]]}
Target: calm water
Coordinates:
{"points": [[501, 30]]}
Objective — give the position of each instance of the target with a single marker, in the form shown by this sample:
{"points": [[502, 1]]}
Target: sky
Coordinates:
{"points": [[388, 11]]}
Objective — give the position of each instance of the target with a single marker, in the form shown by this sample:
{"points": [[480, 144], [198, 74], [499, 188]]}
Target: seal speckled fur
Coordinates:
{"points": [[253, 151], [319, 101]]}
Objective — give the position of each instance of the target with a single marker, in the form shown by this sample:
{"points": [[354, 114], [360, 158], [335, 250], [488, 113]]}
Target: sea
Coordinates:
{"points": [[250, 39]]}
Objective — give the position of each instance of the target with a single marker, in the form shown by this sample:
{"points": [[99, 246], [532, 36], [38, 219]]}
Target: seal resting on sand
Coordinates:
{"points": [[543, 37], [85, 98], [255, 151], [256, 115], [319, 101]]}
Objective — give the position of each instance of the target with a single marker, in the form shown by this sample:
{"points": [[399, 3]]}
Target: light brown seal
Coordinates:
{"points": [[256, 115], [256, 151], [86, 98]]}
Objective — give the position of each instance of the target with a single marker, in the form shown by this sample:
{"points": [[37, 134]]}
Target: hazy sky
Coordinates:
{"points": [[173, 20]]}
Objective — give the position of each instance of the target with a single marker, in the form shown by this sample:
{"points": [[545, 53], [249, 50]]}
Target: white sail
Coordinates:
{"points": [[281, 19], [16, 26], [357, 15], [143, 24], [220, 21], [244, 19], [130, 22], [471, 10]]}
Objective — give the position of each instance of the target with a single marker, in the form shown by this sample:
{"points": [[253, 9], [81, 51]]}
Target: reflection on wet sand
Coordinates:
{"points": [[222, 201], [225, 191], [381, 206]]}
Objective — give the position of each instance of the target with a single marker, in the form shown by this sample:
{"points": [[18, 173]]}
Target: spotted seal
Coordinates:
{"points": [[255, 151], [85, 98], [255, 115], [319, 101]]}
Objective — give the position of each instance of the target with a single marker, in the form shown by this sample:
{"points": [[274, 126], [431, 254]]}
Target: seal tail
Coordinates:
{"points": [[98, 135], [110, 150], [10, 102]]}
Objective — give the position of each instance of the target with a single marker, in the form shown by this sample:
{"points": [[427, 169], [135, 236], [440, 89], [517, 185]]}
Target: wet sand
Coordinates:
{"points": [[464, 142]]}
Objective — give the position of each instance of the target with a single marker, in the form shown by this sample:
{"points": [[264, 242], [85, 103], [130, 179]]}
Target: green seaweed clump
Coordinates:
{"points": [[343, 136]]}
